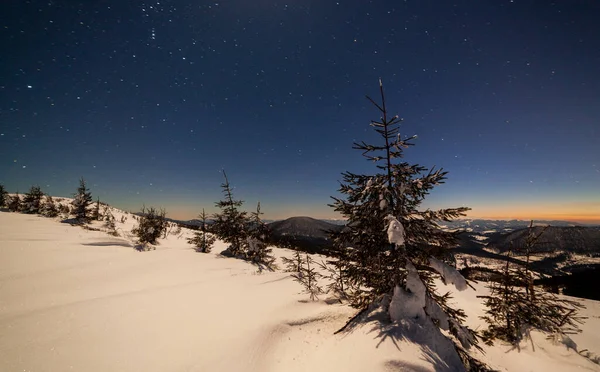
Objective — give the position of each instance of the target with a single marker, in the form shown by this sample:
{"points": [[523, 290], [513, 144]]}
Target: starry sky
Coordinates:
{"points": [[149, 101]]}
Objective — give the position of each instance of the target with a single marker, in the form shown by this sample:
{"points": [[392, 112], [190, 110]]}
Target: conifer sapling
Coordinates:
{"points": [[151, 225], [81, 201], [309, 277], [258, 250], [32, 200], [294, 264], [230, 224], [14, 203], [515, 307], [49, 209], [3, 197], [202, 240]]}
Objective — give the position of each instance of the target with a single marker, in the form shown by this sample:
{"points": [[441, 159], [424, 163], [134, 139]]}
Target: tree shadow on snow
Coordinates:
{"points": [[435, 348], [72, 221], [108, 244], [287, 277], [430, 356]]}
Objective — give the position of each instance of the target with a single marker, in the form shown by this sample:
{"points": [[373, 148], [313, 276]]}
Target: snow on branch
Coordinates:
{"points": [[411, 303], [395, 231], [449, 274]]}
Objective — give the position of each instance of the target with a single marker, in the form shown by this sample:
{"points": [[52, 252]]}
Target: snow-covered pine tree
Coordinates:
{"points": [[390, 250], [64, 209], [258, 250], [230, 224], [14, 203], [151, 225], [109, 221], [32, 200], [202, 240], [515, 307], [81, 201], [3, 196], [49, 209]]}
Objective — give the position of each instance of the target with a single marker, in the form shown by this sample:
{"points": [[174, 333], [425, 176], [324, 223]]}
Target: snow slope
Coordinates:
{"points": [[82, 300]]}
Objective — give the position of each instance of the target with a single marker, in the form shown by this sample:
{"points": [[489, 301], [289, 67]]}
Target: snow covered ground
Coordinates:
{"points": [[82, 300]]}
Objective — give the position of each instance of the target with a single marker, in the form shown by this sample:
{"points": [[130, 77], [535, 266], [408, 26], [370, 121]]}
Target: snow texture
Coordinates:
{"points": [[82, 300], [450, 274], [395, 231]]}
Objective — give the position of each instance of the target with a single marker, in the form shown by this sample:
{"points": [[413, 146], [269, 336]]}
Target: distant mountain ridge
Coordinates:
{"points": [[306, 233], [573, 239], [487, 226], [311, 234]]}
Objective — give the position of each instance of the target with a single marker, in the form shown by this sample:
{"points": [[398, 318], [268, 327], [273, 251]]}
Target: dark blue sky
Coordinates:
{"points": [[148, 101]]}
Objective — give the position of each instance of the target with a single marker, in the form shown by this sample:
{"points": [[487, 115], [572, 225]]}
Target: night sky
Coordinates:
{"points": [[149, 101]]}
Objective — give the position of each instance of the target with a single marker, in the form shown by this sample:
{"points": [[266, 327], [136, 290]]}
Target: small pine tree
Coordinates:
{"points": [[337, 278], [14, 204], [3, 197], [49, 208], [202, 240], [109, 221], [151, 225], [294, 264], [257, 249], [81, 202], [64, 209], [230, 225], [309, 277], [32, 201], [514, 307], [96, 212]]}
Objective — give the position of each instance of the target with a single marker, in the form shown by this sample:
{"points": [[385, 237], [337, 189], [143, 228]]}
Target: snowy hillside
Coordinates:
{"points": [[84, 300]]}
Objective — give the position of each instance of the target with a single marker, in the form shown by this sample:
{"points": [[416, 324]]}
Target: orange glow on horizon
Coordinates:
{"points": [[587, 213], [582, 215]]}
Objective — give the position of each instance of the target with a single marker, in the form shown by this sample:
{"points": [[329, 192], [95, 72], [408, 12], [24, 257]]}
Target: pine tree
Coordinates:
{"points": [[96, 212], [81, 202], [32, 200], [109, 221], [308, 277], [3, 197], [14, 204], [49, 208], [337, 277], [202, 240], [514, 307], [64, 209], [230, 224], [151, 225], [257, 249], [294, 264], [390, 251]]}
